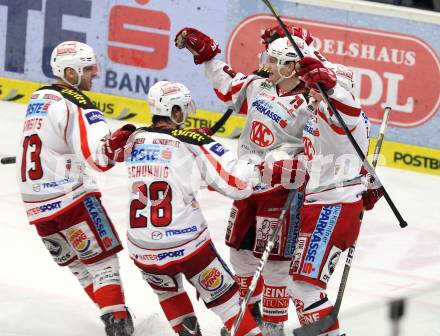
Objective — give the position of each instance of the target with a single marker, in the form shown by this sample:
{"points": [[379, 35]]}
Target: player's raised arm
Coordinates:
{"points": [[229, 86]]}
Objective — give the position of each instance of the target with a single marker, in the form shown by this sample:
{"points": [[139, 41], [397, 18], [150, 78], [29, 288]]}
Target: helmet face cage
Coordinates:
{"points": [[164, 95], [75, 55], [284, 52]]}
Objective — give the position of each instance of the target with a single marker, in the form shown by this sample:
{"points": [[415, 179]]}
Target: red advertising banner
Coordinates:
{"points": [[392, 69]]}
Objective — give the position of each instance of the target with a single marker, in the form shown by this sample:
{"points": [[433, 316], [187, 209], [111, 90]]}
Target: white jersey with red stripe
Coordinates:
{"points": [[166, 169], [275, 121], [332, 162], [62, 139]]}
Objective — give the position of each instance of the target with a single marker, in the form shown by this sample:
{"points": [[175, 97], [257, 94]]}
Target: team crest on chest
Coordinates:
{"points": [[261, 135]]}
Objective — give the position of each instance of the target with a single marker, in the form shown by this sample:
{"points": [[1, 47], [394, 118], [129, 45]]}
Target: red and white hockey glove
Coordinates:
{"points": [[313, 71], [280, 172], [117, 146], [372, 195], [273, 33], [203, 47]]}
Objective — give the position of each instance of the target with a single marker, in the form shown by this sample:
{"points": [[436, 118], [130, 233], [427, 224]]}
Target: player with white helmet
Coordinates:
{"points": [[276, 110], [163, 96], [334, 194], [64, 136], [82, 61], [168, 236]]}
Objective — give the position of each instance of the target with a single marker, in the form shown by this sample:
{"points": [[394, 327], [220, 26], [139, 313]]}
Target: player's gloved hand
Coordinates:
{"points": [[204, 130], [313, 71], [203, 47], [280, 172], [371, 196], [273, 33], [117, 146]]}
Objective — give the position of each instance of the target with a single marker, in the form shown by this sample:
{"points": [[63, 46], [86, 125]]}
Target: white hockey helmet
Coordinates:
{"points": [[72, 54], [344, 75], [163, 95], [284, 52]]}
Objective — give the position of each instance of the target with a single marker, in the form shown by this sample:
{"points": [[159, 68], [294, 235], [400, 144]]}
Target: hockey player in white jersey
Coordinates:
{"points": [[330, 217], [276, 110], [168, 236], [65, 135]]}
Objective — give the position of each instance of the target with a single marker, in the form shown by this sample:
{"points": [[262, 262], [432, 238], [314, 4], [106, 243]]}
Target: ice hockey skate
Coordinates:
{"points": [[191, 327], [118, 327]]}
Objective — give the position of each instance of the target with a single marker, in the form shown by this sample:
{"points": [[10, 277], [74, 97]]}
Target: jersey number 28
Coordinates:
{"points": [[160, 196]]}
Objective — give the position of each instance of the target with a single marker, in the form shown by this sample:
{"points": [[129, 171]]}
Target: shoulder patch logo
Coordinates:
{"points": [[218, 149], [94, 116]]}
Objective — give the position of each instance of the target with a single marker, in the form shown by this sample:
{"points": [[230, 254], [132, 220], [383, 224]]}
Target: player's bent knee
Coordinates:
{"points": [[60, 250], [162, 282]]}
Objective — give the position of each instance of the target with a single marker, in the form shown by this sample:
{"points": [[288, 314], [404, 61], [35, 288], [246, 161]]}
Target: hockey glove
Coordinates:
{"points": [[200, 45], [313, 71], [372, 195], [273, 33], [280, 172], [117, 146]]}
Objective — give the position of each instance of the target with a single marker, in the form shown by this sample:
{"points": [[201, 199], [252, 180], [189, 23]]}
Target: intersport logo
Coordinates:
{"points": [[392, 69]]}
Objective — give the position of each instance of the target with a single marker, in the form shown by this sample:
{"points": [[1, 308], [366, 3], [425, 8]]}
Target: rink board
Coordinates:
{"points": [[123, 108], [397, 155]]}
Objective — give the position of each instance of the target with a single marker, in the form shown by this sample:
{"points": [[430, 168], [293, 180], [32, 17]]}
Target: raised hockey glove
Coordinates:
{"points": [[313, 71], [200, 45], [273, 33], [118, 146]]}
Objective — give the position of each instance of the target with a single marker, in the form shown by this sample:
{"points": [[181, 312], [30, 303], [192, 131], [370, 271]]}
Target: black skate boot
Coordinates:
{"points": [[118, 327], [256, 313], [191, 327]]}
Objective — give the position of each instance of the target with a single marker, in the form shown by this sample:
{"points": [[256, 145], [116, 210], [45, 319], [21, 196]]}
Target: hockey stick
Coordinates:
{"points": [[221, 121], [327, 321], [325, 96], [269, 246]]}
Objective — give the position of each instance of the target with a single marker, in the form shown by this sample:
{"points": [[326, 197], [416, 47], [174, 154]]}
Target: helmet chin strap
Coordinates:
{"points": [[181, 123], [282, 77], [78, 81]]}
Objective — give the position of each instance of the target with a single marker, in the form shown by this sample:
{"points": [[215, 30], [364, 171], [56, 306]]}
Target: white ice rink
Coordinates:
{"points": [[39, 298]]}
